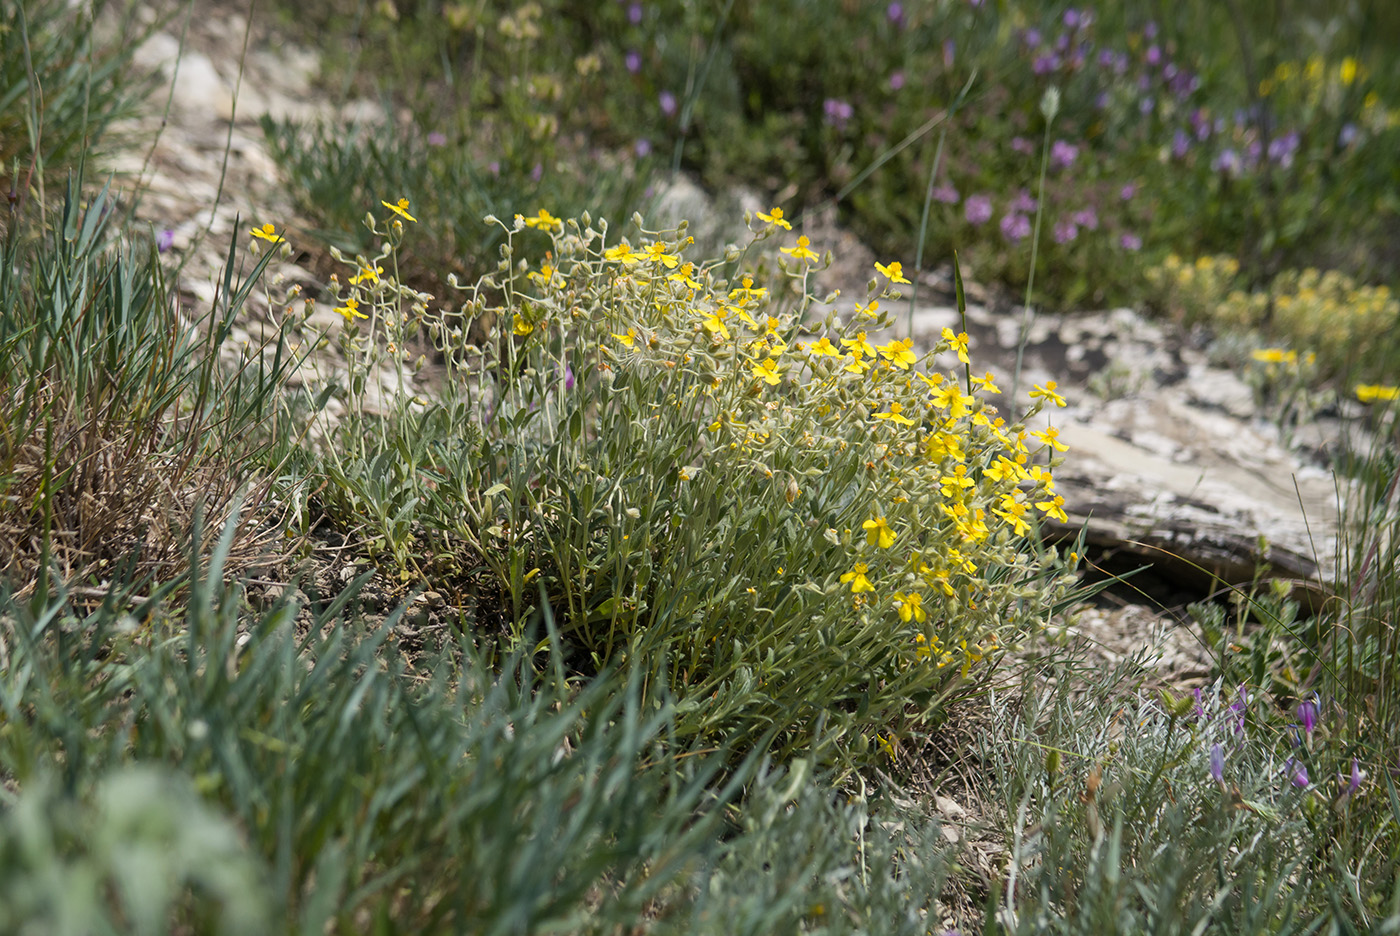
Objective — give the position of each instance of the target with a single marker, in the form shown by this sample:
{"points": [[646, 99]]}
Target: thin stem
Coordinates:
{"points": [[1030, 278]]}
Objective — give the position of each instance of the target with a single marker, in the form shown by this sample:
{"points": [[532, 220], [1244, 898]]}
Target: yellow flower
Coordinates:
{"points": [[859, 583], [825, 348], [949, 397], [1371, 393], [910, 607], [952, 485], [522, 327], [400, 209], [801, 251], [366, 275], [656, 253], [714, 324], [895, 271], [957, 343], [544, 221], [985, 383], [683, 277], [628, 339], [898, 354], [775, 217], [1048, 392], [860, 344], [943, 445], [1274, 355], [267, 232], [1051, 437], [1014, 513], [768, 371], [878, 532], [869, 311], [747, 291], [1055, 507], [1347, 71], [858, 365], [351, 310], [622, 253], [894, 414]]}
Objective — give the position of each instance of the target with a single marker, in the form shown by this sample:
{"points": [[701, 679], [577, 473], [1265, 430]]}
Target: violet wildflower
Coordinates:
{"points": [[1240, 709], [1022, 145], [1086, 218], [494, 167], [1045, 64], [1063, 154], [1106, 58], [668, 103], [837, 112], [1347, 136], [949, 48], [1071, 18], [1154, 55], [1200, 710], [1149, 32], [1181, 143], [1015, 227], [1128, 191], [569, 380], [1217, 763], [896, 81], [1353, 782], [642, 148], [1307, 714], [1147, 105], [945, 194], [634, 14], [978, 209], [1065, 231], [1023, 203], [165, 239], [1297, 773], [1062, 42], [1101, 100], [537, 173], [633, 61], [895, 13], [437, 138], [1031, 37], [1130, 241]]}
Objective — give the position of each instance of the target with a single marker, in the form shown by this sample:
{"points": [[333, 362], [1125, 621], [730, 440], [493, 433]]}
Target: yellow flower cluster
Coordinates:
{"points": [[942, 494]]}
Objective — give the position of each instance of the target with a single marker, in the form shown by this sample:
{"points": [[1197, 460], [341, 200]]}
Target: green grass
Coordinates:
{"points": [[581, 643]]}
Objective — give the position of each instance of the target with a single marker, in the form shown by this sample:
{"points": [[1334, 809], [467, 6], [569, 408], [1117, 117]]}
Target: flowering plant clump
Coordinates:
{"points": [[804, 525]]}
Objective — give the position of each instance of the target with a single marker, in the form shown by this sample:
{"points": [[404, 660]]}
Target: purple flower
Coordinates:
{"points": [[634, 14], [1106, 58], [165, 239], [1227, 161], [1130, 241], [1307, 714], [1031, 37], [537, 173], [1023, 203], [1086, 218], [1022, 145], [837, 112], [642, 148], [1128, 191], [949, 47], [895, 13], [1071, 18], [1101, 101], [1217, 763], [1062, 42], [1353, 782], [1062, 154], [668, 103], [568, 377], [1045, 64], [1015, 227], [896, 81], [1347, 136], [1238, 710], [978, 209], [494, 167], [945, 194], [1065, 231], [1297, 773], [1147, 105], [634, 61], [1149, 32], [1154, 55], [1200, 712], [437, 138], [1283, 149], [1181, 143]]}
